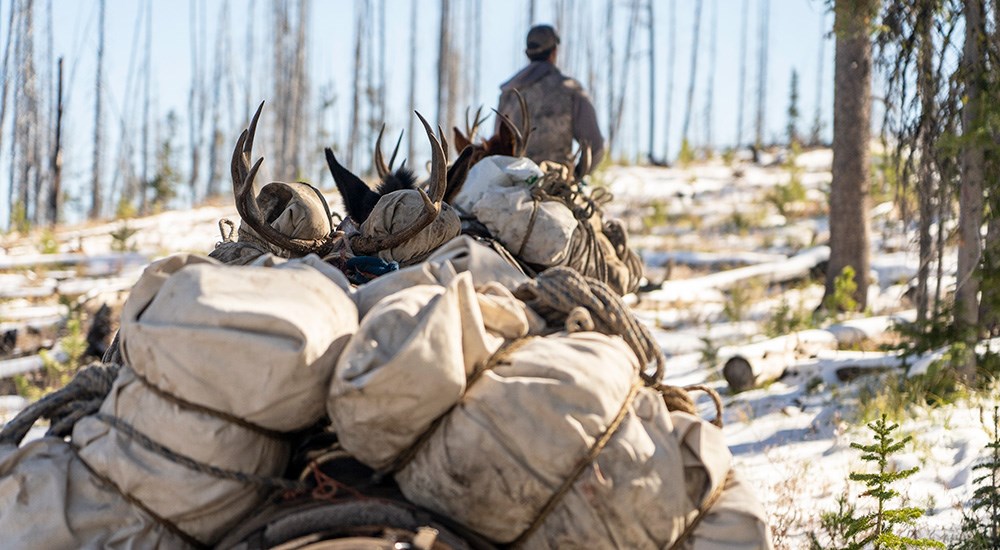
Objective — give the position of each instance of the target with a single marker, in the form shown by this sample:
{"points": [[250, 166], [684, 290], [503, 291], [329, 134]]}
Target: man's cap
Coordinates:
{"points": [[541, 38]]}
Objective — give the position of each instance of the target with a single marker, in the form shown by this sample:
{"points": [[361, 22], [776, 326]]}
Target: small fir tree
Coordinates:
{"points": [[875, 529]]}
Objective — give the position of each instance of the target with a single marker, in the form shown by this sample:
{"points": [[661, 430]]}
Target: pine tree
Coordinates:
{"points": [[875, 529]]}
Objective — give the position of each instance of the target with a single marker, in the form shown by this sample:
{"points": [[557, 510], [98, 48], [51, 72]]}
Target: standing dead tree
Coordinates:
{"points": [[671, 63], [619, 104], [360, 15], [95, 188], [444, 63], [55, 190], [741, 93], [689, 103], [762, 54]]}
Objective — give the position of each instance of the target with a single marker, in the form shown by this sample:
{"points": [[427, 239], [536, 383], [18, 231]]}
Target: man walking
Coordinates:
{"points": [[560, 109]]}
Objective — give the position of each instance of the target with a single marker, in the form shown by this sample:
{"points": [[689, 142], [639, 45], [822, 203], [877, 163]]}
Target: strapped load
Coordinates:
{"points": [[220, 362], [546, 219], [546, 442]]}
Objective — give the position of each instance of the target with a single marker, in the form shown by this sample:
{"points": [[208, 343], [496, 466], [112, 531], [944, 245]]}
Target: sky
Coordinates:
{"points": [[798, 31]]}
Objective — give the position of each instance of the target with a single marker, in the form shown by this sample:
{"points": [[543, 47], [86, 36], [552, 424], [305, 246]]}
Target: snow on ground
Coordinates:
{"points": [[790, 439]]}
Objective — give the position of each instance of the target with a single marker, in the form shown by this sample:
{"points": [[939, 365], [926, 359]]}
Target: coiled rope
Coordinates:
{"points": [[82, 396]]}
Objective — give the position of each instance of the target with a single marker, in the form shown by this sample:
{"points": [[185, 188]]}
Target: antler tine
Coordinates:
{"points": [[395, 150], [443, 142], [243, 151], [363, 245], [525, 123], [506, 121], [439, 163], [471, 130], [379, 160]]}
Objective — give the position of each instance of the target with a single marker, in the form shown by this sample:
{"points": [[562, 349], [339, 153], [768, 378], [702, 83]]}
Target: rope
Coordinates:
{"points": [[581, 465], [147, 443], [83, 395], [557, 291], [169, 525], [703, 511], [185, 404]]}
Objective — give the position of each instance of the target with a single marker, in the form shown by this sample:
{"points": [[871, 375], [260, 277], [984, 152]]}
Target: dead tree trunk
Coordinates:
{"points": [[55, 190], [970, 198], [196, 104], [95, 188], [671, 63], [411, 152], [147, 74], [443, 65], [610, 82], [742, 88], [361, 11], [765, 16], [11, 32], [710, 87], [689, 104], [849, 192], [215, 144], [650, 33]]}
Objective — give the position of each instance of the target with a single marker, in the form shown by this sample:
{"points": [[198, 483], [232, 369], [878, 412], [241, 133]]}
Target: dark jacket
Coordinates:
{"points": [[560, 110]]}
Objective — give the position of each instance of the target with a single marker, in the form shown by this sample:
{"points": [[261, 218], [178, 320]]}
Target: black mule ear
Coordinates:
{"points": [[457, 174], [357, 196]]}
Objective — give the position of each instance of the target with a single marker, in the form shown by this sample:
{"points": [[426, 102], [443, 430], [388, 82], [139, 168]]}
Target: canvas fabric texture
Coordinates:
{"points": [[537, 233], [409, 361], [213, 334], [49, 499], [461, 254], [398, 210], [203, 506]]}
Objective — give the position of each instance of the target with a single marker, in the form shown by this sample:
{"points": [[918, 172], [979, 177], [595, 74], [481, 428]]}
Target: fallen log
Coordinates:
{"points": [[709, 286], [750, 365], [21, 365]]}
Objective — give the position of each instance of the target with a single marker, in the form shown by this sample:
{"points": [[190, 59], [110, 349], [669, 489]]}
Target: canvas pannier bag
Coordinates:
{"points": [[215, 335], [220, 360], [50, 499], [199, 504]]}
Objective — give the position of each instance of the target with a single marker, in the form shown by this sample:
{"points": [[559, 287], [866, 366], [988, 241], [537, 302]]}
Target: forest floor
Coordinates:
{"points": [[791, 437]]}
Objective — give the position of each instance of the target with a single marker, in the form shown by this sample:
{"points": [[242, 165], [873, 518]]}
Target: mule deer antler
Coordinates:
{"points": [[526, 128], [367, 245], [380, 165], [246, 203]]}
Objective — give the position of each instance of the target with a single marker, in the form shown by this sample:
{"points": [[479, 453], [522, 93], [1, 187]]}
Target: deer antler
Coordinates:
{"points": [[246, 203], [380, 165], [472, 128], [526, 129], [367, 245]]}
